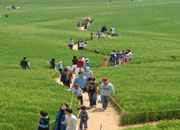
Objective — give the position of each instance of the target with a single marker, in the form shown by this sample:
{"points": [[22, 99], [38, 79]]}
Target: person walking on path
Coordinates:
{"points": [[44, 121], [106, 89], [80, 64], [66, 77], [88, 73], [60, 67], [61, 116], [113, 57], [83, 118], [81, 81], [78, 92], [24, 63], [92, 89], [71, 120], [87, 63], [74, 66], [70, 43]]}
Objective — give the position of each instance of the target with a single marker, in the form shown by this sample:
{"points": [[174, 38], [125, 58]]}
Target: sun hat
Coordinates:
{"points": [[105, 79], [60, 62]]}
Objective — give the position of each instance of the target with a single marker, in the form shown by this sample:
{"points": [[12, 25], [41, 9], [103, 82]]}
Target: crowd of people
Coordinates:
{"points": [[84, 82]]}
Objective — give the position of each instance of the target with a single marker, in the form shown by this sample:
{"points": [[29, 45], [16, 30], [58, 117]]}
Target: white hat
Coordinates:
{"points": [[68, 67], [60, 62], [87, 59]]}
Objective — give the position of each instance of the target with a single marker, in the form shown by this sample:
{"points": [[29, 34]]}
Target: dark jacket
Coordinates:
{"points": [[84, 115], [63, 77], [44, 123], [24, 63]]}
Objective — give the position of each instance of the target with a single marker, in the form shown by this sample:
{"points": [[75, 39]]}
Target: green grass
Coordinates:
{"points": [[165, 125], [150, 82]]}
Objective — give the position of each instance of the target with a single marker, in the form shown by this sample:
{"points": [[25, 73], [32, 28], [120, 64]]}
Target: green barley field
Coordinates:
{"points": [[148, 87]]}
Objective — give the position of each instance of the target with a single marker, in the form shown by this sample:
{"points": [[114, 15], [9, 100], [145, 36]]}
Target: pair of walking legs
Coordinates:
{"points": [[92, 98], [105, 100]]}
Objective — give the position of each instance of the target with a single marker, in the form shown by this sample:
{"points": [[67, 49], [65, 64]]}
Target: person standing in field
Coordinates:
{"points": [[74, 66], [24, 63], [113, 57], [87, 63], [106, 89], [92, 89], [66, 77], [70, 43], [92, 36], [44, 121], [71, 120], [112, 30], [105, 63], [81, 81], [60, 118]]}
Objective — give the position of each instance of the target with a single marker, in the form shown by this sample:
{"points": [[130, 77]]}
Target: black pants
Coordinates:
{"points": [[80, 98], [67, 83], [70, 46]]}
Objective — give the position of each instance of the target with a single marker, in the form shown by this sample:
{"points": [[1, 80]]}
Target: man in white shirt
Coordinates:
{"points": [[71, 120], [70, 43]]}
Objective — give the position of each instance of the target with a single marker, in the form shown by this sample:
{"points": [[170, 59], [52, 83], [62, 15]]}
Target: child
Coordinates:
{"points": [[78, 92], [60, 67], [83, 118], [44, 121], [111, 61], [78, 25], [105, 63]]}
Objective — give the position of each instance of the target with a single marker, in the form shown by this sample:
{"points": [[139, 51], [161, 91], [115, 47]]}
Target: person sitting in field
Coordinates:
{"points": [[8, 8], [78, 92], [13, 7], [60, 118], [88, 73], [24, 63], [44, 121], [103, 31], [52, 64], [91, 21], [78, 25], [70, 43], [60, 67], [112, 30], [99, 35], [130, 54], [84, 46], [66, 78], [81, 81], [6, 15], [83, 118], [105, 63], [92, 36]]}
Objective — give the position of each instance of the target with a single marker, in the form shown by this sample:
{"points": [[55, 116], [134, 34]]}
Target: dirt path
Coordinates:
{"points": [[107, 119]]}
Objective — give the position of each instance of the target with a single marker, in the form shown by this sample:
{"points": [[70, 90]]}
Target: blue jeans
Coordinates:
{"points": [[92, 98], [105, 100], [83, 123]]}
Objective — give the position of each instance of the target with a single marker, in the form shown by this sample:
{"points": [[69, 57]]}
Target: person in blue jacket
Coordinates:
{"points": [[60, 118], [81, 81]]}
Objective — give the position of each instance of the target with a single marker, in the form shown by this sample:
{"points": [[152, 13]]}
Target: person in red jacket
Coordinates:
{"points": [[80, 64]]}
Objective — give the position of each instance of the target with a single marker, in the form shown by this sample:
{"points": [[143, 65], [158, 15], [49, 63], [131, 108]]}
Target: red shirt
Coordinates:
{"points": [[80, 64]]}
